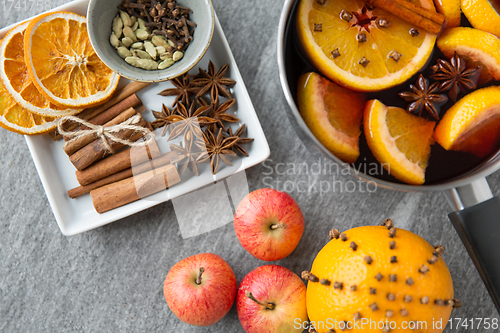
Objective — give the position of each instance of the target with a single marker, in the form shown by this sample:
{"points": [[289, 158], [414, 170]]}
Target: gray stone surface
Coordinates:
{"points": [[110, 279]]}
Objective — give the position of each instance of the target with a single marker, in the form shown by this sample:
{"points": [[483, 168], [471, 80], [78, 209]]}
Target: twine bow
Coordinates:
{"points": [[106, 133]]}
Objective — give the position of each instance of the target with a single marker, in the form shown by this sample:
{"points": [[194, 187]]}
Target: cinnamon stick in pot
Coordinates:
{"points": [[96, 150], [116, 163], [134, 188], [412, 13], [127, 173], [73, 146]]}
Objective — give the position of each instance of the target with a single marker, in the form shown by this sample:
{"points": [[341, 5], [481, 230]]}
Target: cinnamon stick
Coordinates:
{"points": [[119, 96], [74, 145], [96, 150], [127, 173], [134, 188], [111, 113], [116, 163], [414, 14]]}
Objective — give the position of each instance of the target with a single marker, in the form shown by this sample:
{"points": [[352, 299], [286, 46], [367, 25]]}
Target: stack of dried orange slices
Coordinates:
{"points": [[48, 70]]}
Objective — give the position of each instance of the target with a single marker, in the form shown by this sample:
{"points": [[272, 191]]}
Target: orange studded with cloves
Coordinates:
{"points": [[380, 288]]}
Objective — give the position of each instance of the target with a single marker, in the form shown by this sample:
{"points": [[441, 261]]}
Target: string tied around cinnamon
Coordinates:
{"points": [[106, 134]]}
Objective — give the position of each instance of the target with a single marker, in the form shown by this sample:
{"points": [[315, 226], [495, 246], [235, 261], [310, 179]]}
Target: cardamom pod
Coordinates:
{"points": [[127, 32], [170, 43], [138, 46], [166, 55], [166, 63], [135, 26], [123, 52], [125, 18], [151, 49], [178, 55], [118, 26], [127, 41], [143, 54], [133, 19], [142, 34], [114, 41], [160, 50], [159, 41], [142, 63], [142, 24]]}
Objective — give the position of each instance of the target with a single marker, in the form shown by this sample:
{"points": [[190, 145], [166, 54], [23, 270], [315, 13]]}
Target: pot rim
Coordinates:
{"points": [[487, 168]]}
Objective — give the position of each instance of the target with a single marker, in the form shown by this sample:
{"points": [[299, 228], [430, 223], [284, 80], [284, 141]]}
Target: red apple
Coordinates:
{"points": [[269, 224], [271, 299], [200, 289]]}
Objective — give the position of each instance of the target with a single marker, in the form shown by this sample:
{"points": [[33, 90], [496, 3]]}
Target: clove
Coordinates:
{"points": [[353, 246], [433, 260], [414, 32], [439, 250], [388, 223], [425, 300], [364, 62], [338, 285], [394, 259], [439, 302], [357, 316], [318, 27], [374, 307], [309, 276], [345, 15], [407, 298], [325, 282], [379, 277], [410, 282], [393, 278], [404, 312], [368, 260], [354, 287], [373, 291], [392, 245], [343, 237], [389, 313], [336, 53], [391, 297], [392, 232], [424, 269], [334, 234]]}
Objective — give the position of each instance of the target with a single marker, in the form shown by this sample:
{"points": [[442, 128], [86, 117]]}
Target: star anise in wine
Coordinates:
{"points": [[161, 117], [423, 97], [455, 76], [184, 88], [237, 147], [216, 148], [188, 122], [213, 81], [186, 157]]}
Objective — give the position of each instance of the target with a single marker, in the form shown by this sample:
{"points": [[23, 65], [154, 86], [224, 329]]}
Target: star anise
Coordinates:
{"points": [[189, 122], [216, 148], [455, 76], [422, 97], [186, 157], [219, 112], [237, 147], [215, 82], [183, 89], [161, 117]]}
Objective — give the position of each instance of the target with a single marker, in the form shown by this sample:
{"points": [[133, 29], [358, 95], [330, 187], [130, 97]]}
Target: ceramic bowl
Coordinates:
{"points": [[100, 16]]}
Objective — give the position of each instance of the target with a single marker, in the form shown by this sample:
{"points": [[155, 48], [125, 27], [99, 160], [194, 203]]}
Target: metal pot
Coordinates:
{"points": [[476, 213]]}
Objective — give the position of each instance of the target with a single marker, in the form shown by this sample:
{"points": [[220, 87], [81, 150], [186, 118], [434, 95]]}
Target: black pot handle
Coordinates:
{"points": [[479, 228]]}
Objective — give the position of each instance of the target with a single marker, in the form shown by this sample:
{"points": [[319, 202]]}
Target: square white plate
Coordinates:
{"points": [[57, 174]]}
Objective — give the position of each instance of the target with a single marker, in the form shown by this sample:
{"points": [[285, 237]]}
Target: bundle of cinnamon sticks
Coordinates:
{"points": [[117, 177]]}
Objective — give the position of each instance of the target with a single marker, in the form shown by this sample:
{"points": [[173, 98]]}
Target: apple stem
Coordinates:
{"points": [[269, 306], [279, 225], [198, 279]]}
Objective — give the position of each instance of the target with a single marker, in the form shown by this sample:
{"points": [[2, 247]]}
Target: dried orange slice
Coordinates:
{"points": [[400, 141], [16, 79], [483, 14], [362, 49], [333, 114], [472, 124], [15, 118], [451, 10], [62, 63]]}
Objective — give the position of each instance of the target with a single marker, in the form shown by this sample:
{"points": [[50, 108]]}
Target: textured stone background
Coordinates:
{"points": [[110, 279]]}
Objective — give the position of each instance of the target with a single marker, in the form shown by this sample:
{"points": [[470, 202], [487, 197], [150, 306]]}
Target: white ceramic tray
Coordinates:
{"points": [[57, 174]]}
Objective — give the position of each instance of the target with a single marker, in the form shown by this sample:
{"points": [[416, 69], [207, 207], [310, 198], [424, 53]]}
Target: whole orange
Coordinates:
{"points": [[379, 279]]}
